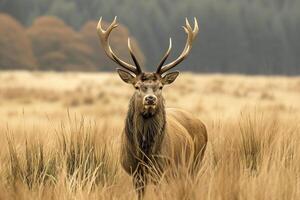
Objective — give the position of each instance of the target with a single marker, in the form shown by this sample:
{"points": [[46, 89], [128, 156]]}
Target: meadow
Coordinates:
{"points": [[59, 136]]}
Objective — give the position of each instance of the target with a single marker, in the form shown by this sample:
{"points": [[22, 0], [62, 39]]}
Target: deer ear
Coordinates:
{"points": [[126, 76], [169, 77]]}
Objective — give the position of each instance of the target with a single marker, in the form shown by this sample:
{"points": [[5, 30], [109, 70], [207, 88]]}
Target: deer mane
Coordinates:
{"points": [[145, 133]]}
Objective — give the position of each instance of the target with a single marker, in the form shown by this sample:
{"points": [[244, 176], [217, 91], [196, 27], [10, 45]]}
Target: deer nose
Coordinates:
{"points": [[150, 99]]}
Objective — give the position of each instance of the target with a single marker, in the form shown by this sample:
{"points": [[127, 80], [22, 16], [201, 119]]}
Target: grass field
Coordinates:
{"points": [[60, 137]]}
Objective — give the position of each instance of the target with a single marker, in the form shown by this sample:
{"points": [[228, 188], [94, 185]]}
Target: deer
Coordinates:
{"points": [[155, 136]]}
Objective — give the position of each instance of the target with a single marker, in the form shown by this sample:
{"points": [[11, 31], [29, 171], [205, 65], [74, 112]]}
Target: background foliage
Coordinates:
{"points": [[248, 36], [19, 55]]}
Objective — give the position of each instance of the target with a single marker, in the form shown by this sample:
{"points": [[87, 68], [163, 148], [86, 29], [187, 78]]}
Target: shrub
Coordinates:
{"points": [[15, 46], [57, 46]]}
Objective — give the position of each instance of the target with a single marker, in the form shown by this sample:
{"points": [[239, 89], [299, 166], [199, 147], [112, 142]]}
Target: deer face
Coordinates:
{"points": [[148, 85], [148, 89]]}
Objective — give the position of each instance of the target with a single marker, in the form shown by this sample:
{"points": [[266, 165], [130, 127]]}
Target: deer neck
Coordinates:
{"points": [[145, 133]]}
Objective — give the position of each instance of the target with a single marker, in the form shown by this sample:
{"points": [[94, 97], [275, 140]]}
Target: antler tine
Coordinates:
{"points": [[165, 57], [104, 39], [187, 24], [138, 67], [196, 28], [191, 35]]}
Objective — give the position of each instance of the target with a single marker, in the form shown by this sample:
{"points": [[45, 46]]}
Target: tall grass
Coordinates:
{"points": [[74, 160], [255, 156]]}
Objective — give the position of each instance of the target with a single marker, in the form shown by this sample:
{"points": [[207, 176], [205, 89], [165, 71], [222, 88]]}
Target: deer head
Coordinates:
{"points": [[148, 85]]}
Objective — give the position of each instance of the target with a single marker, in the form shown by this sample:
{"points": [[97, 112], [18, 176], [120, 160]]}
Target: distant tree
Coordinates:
{"points": [[58, 47], [118, 41], [15, 46]]}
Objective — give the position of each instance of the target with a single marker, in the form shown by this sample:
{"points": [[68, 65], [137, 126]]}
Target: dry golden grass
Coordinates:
{"points": [[60, 137]]}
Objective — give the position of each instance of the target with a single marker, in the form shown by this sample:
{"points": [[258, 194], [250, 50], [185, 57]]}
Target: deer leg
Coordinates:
{"points": [[140, 182]]}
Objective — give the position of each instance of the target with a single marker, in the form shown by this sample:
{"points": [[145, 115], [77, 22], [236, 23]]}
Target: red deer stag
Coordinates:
{"points": [[155, 136]]}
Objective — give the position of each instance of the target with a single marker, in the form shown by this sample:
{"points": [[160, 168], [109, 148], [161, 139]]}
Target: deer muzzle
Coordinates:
{"points": [[150, 101]]}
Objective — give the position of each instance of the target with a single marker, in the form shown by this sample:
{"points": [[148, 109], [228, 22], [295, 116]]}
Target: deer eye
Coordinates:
{"points": [[137, 87], [160, 87]]}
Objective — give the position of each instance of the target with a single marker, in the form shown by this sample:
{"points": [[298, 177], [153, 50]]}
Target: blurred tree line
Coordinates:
{"points": [[50, 44], [247, 36]]}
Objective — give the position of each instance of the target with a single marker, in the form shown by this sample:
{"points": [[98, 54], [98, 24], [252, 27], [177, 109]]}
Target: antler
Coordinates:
{"points": [[191, 35], [104, 39]]}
